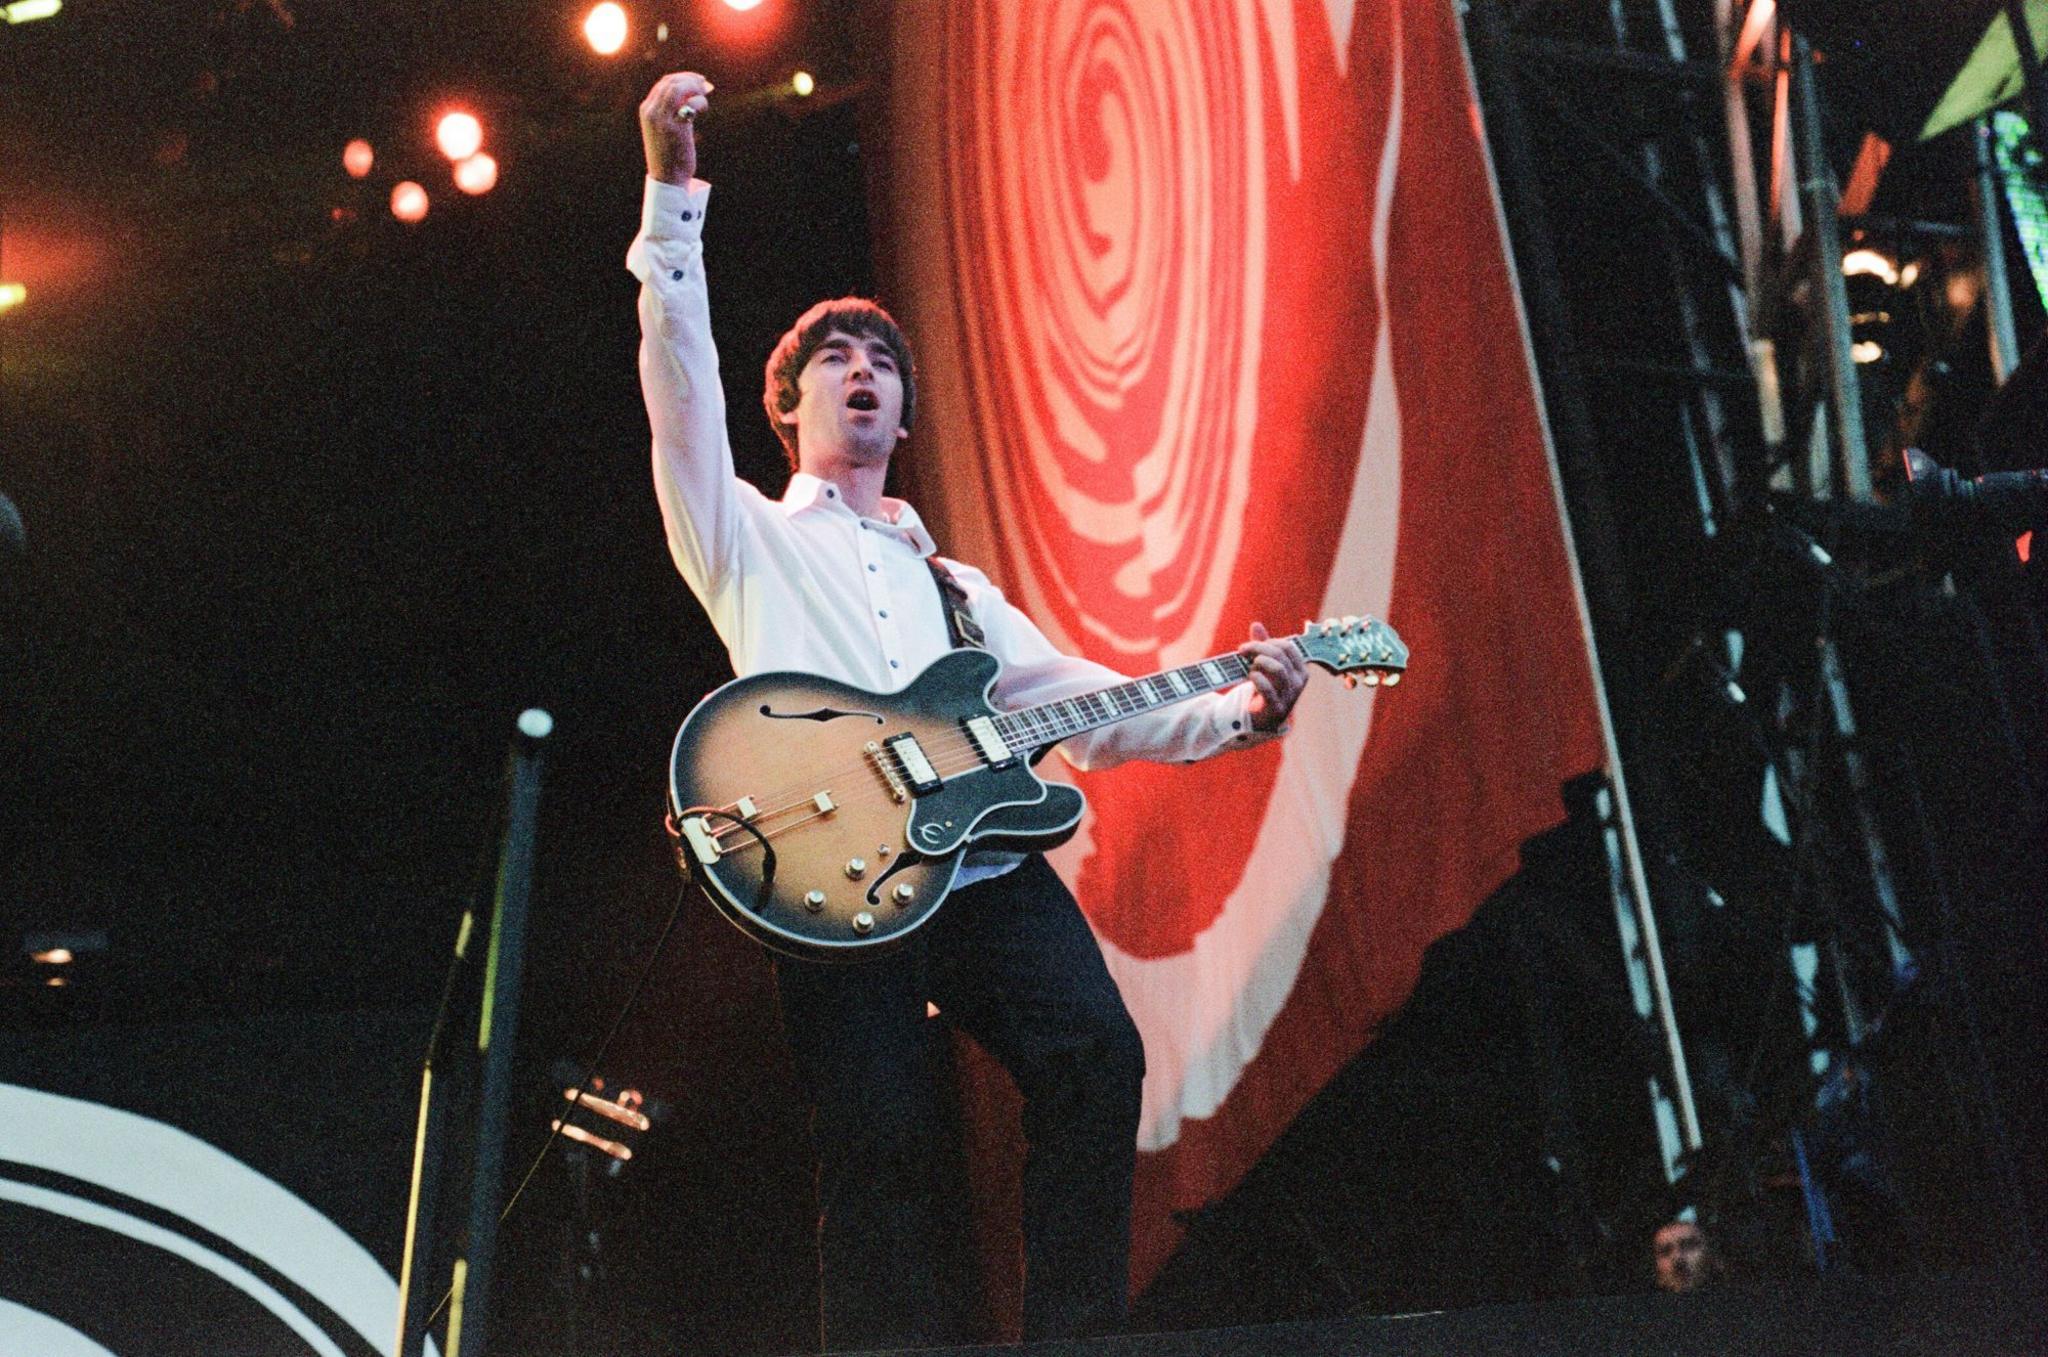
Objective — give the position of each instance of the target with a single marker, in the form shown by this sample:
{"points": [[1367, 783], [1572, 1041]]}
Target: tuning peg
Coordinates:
{"points": [[1351, 680], [1372, 678], [1351, 622]]}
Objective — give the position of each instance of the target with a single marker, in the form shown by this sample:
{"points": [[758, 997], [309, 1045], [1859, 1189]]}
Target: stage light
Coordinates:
{"points": [[742, 5], [12, 295], [57, 981], [1910, 274], [357, 157], [1866, 351], [27, 11], [459, 135], [605, 28], [1871, 262], [53, 956], [478, 174], [803, 84], [408, 201]]}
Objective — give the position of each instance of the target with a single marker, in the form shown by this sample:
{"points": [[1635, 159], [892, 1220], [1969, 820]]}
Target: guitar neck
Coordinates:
{"points": [[1050, 722]]}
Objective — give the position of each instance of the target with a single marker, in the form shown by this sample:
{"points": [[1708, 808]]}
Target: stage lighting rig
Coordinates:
{"points": [[28, 11], [408, 201], [459, 134], [476, 175], [605, 28]]}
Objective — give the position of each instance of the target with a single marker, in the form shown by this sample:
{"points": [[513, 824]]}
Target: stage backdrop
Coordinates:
{"points": [[1215, 322]]}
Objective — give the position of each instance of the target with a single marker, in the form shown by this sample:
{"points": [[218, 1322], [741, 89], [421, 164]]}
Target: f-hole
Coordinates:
{"points": [[815, 714]]}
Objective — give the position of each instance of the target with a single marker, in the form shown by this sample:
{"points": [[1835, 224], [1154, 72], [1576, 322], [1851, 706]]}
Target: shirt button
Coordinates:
{"points": [[873, 566], [884, 612], [830, 493], [688, 214], [677, 275], [894, 665]]}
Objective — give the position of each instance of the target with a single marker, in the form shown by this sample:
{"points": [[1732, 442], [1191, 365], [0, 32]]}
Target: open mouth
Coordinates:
{"points": [[863, 400]]}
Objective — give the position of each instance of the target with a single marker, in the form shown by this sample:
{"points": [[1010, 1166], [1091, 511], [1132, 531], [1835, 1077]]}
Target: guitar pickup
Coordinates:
{"points": [[916, 767], [989, 743]]}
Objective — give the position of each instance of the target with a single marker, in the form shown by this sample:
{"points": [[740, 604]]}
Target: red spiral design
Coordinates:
{"points": [[1106, 231]]}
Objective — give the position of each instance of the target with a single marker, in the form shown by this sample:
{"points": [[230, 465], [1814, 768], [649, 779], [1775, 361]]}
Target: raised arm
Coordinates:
{"points": [[693, 469]]}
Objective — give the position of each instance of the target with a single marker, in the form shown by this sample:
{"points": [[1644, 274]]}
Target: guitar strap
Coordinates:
{"points": [[961, 627]]}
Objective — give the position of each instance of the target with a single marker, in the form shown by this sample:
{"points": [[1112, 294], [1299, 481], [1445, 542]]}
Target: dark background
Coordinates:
{"points": [[317, 502]]}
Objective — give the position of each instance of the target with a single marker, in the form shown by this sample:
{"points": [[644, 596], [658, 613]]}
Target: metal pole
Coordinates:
{"points": [[428, 1152], [497, 1023], [2005, 343], [1741, 152], [1743, 31], [1821, 203]]}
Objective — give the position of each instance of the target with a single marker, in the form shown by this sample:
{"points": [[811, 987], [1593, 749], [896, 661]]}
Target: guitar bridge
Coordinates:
{"points": [[702, 846], [877, 756]]}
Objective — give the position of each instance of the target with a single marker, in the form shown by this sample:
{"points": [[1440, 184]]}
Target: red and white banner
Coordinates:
{"points": [[1215, 322]]}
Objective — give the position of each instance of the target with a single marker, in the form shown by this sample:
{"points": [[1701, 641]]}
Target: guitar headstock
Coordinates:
{"points": [[1360, 649]]}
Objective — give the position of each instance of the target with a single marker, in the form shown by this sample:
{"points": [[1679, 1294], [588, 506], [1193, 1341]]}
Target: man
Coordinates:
{"points": [[835, 579], [1684, 1259]]}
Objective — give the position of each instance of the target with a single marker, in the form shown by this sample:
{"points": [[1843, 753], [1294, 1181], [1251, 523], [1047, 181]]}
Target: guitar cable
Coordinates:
{"points": [[673, 822], [632, 1001]]}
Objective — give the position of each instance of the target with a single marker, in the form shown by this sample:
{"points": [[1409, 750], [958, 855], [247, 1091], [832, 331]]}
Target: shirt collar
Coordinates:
{"points": [[896, 516]]}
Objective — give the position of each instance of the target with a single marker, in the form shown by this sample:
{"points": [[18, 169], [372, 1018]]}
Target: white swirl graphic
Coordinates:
{"points": [[177, 1173]]}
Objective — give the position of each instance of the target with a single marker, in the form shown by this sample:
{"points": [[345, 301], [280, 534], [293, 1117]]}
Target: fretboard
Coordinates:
{"points": [[1050, 722]]}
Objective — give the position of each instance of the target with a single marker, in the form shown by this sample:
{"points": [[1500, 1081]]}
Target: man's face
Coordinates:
{"points": [[849, 400], [1681, 1252]]}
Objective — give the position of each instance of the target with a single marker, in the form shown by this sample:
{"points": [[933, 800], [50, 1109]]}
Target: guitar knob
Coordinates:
{"points": [[814, 901], [863, 923], [856, 868], [904, 892], [1391, 679]]}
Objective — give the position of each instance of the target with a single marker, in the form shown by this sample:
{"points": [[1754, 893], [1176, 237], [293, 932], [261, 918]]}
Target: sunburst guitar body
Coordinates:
{"points": [[829, 822]]}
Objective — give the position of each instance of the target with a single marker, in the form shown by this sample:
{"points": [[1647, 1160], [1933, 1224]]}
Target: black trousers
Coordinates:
{"points": [[1011, 961]]}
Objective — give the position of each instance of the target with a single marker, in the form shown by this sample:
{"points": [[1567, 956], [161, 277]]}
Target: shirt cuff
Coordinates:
{"points": [[670, 213], [1237, 718]]}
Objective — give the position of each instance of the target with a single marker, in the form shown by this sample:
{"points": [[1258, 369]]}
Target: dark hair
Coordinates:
{"points": [[855, 316]]}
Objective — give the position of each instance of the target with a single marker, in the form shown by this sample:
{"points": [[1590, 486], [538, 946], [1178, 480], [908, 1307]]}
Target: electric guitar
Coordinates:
{"points": [[828, 822]]}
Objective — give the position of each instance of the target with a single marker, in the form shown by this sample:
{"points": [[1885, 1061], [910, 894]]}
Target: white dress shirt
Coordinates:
{"points": [[806, 584]]}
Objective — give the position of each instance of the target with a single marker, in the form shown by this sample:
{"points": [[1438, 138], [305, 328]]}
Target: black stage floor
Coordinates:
{"points": [[1988, 1312]]}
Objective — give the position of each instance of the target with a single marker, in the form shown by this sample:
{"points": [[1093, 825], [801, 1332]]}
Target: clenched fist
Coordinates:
{"points": [[666, 130]]}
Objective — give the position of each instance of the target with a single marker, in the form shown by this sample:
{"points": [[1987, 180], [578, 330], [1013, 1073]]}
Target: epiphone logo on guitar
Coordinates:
{"points": [[822, 839]]}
